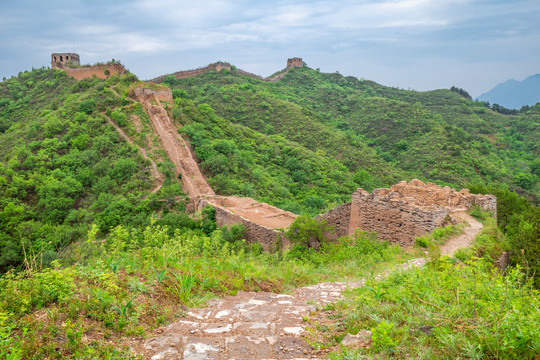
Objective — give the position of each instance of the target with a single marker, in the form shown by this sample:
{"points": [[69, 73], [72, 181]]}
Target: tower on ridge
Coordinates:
{"points": [[294, 62], [59, 60]]}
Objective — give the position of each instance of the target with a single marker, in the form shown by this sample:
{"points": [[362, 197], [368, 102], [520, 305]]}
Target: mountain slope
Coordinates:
{"points": [[385, 132], [514, 94]]}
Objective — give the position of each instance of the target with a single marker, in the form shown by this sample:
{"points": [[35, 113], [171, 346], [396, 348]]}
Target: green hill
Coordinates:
{"points": [[386, 134], [97, 252]]}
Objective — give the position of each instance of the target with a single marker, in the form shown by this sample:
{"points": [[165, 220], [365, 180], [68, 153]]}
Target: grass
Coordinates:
{"points": [[439, 236], [447, 309], [117, 293]]}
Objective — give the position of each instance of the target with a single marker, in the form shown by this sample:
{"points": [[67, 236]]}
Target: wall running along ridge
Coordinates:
{"points": [[218, 66], [398, 214], [87, 72], [177, 150]]}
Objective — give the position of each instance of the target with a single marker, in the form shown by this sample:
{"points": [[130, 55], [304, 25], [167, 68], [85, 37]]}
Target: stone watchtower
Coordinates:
{"points": [[294, 62], [59, 60]]}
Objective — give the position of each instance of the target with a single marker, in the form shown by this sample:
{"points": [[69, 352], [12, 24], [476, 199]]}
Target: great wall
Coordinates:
{"points": [[263, 325], [398, 214]]}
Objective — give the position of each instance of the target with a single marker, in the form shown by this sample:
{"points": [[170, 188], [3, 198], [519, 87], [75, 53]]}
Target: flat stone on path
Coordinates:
{"points": [[256, 326]]}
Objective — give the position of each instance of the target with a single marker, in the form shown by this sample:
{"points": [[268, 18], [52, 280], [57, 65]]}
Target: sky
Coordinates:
{"points": [[410, 44]]}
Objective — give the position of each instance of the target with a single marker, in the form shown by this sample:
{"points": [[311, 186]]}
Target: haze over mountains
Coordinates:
{"points": [[514, 94]]}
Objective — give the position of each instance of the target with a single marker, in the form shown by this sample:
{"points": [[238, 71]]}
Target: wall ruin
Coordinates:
{"points": [[99, 71], [218, 66], [294, 62], [408, 210], [262, 221], [59, 60]]}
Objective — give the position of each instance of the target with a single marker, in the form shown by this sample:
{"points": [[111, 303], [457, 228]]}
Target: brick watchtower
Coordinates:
{"points": [[294, 62], [59, 60]]}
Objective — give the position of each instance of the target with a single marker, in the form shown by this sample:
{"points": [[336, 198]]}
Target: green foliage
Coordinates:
{"points": [[472, 309], [87, 106], [382, 336], [391, 134], [439, 236], [308, 232]]}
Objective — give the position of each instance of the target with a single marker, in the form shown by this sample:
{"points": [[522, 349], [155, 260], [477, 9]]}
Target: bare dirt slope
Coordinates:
{"points": [[175, 146]]}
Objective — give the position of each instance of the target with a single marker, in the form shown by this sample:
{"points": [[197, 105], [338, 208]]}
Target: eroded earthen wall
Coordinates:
{"points": [[99, 71], [339, 218], [255, 233]]}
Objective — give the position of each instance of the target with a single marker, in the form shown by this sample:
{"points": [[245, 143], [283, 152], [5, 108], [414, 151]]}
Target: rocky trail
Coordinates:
{"points": [[263, 325]]}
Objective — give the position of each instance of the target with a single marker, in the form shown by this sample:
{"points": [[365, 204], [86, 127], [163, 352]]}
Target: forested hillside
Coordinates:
{"points": [[64, 166], [379, 134], [98, 251]]}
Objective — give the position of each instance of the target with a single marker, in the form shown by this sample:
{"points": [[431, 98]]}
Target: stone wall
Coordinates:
{"points": [[339, 218], [255, 233], [408, 210], [87, 72], [149, 94], [189, 73], [60, 59], [294, 62]]}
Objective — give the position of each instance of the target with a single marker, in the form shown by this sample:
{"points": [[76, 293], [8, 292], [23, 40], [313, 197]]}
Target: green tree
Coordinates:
{"points": [[308, 232]]}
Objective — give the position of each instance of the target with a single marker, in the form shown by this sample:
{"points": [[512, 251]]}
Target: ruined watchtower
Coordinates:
{"points": [[294, 62], [59, 60]]}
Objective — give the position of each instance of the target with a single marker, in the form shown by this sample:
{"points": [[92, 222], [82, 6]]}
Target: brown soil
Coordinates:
{"points": [[464, 240], [176, 148]]}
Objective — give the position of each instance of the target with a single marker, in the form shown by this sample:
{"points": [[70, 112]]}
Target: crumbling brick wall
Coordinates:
{"points": [[294, 62], [339, 218], [255, 233], [99, 71], [405, 211]]}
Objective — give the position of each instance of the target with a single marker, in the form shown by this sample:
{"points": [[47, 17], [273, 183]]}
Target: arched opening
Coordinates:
{"points": [[54, 58], [67, 58], [61, 59]]}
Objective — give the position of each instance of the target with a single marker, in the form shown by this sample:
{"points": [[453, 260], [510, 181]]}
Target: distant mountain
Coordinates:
{"points": [[514, 94]]}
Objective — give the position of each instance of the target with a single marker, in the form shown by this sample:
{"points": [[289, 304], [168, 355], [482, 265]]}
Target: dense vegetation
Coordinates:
{"points": [[447, 309], [385, 133], [64, 167], [90, 254]]}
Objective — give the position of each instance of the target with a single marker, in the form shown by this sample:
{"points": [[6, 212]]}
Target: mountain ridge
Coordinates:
{"points": [[514, 94]]}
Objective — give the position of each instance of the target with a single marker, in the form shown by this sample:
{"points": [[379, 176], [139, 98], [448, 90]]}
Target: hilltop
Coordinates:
{"points": [[515, 94]]}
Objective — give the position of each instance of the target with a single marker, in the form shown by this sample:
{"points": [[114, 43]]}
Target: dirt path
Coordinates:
{"points": [[175, 146], [155, 173], [464, 240]]}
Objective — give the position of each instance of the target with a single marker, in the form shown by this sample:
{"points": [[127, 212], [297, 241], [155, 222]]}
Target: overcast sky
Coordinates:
{"points": [[416, 44]]}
